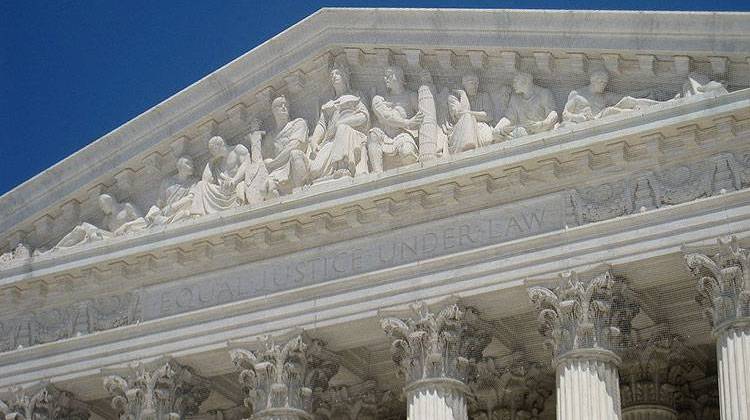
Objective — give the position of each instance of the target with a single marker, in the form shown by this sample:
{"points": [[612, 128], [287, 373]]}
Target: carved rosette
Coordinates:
{"points": [[516, 389], [168, 391], [584, 313], [723, 283], [443, 345], [280, 381]]}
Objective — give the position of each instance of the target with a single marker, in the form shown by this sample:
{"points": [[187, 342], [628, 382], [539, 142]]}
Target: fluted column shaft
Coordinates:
{"points": [[440, 399], [733, 354], [588, 386]]}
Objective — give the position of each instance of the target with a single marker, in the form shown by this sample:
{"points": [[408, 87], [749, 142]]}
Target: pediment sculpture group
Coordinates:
{"points": [[399, 128]]}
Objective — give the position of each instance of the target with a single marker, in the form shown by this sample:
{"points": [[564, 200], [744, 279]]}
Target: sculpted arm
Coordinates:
{"points": [[132, 211], [207, 175], [507, 122], [317, 135], [244, 157], [549, 105], [357, 118], [577, 108], [385, 113], [256, 155], [484, 114]]}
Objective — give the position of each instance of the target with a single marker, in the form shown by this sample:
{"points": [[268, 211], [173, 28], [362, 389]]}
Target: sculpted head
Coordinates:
{"points": [[280, 110], [523, 83], [394, 79], [217, 147], [470, 82], [599, 80], [185, 167], [340, 78], [107, 203]]}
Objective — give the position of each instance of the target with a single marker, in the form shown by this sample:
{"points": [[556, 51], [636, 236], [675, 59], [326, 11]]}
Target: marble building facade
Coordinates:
{"points": [[403, 214]]}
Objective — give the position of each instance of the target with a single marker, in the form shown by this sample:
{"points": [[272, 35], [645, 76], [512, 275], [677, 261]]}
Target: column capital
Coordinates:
{"points": [[723, 282], [436, 346], [360, 401], [43, 402], [281, 379], [584, 315], [511, 387], [157, 389], [24, 403], [656, 369]]}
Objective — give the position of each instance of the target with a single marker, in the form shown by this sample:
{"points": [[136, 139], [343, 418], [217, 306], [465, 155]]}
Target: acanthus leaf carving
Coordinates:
{"points": [[580, 313], [284, 379], [723, 281], [156, 391], [511, 387], [655, 369], [446, 344]]}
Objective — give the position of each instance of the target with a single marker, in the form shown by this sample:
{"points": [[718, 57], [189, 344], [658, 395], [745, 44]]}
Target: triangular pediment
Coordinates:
{"points": [[641, 52]]}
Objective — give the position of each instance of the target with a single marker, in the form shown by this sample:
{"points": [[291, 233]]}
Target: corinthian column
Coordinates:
{"points": [[280, 380], [724, 295], [157, 390], [580, 319], [435, 353]]}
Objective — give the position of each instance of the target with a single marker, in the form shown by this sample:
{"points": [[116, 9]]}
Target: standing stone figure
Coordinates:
{"points": [[470, 111], [175, 195], [232, 176], [338, 141], [393, 143], [531, 109], [288, 166], [119, 219], [594, 102]]}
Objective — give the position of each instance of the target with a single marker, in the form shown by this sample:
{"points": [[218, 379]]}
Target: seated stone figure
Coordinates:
{"points": [[175, 196], [531, 110], [470, 111], [288, 165], [393, 142], [700, 85], [232, 176], [338, 143], [119, 219], [593, 101]]}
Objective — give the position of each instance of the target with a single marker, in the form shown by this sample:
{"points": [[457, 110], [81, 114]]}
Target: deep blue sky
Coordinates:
{"points": [[71, 71]]}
